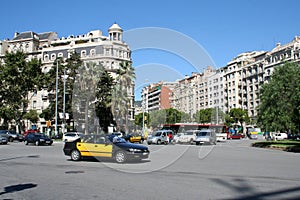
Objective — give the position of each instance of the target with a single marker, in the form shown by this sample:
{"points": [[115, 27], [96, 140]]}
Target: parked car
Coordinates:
{"points": [[71, 136], [107, 146], [3, 139], [160, 137], [206, 136], [37, 139], [188, 137], [176, 138], [16, 136], [30, 131], [7, 134], [134, 138], [236, 136], [294, 136], [253, 136], [280, 136]]}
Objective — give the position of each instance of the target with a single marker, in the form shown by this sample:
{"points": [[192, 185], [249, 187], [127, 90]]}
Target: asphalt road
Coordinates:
{"points": [[230, 170]]}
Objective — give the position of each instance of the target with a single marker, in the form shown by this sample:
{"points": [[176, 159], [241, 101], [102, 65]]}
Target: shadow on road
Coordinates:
{"points": [[243, 186], [17, 188]]}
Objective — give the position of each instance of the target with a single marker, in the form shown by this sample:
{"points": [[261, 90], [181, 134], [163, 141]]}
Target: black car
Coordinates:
{"points": [[105, 146], [37, 139]]}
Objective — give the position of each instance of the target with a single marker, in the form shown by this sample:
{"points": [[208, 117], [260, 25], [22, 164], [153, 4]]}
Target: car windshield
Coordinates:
{"points": [[117, 139], [203, 134], [40, 135], [157, 133]]}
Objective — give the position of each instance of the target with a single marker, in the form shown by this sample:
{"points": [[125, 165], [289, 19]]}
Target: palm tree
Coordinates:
{"points": [[122, 90], [84, 94]]}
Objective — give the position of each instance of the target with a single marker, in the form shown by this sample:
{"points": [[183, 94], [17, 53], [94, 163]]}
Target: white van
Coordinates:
{"points": [[206, 136], [280, 136]]}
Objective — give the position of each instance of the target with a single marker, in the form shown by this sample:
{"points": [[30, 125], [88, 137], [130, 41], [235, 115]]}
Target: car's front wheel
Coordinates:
{"points": [[26, 142], [37, 143], [120, 157], [75, 155]]}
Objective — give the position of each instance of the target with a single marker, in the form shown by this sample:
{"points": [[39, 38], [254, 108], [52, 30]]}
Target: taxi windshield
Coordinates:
{"points": [[117, 139]]}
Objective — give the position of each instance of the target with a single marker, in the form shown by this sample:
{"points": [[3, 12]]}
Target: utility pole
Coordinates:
{"points": [[56, 98], [64, 103]]}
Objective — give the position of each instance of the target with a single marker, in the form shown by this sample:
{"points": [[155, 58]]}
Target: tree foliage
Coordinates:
{"points": [[32, 116], [238, 116], [279, 108], [104, 98], [203, 116], [18, 77], [70, 66], [121, 99]]}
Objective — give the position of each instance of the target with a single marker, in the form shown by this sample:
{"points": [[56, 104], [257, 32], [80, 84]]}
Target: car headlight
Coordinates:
{"points": [[42, 140], [135, 150]]}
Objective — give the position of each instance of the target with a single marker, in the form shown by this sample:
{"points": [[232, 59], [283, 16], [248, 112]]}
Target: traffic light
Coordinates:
{"points": [[48, 123]]}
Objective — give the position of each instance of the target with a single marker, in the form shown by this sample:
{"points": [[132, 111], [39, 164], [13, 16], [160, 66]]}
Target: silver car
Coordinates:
{"points": [[206, 136], [160, 137], [3, 139]]}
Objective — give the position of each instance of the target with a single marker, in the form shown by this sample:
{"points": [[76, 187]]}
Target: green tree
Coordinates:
{"points": [[185, 117], [157, 118], [69, 67], [172, 116], [138, 119], [84, 95], [18, 78], [203, 116], [121, 95], [104, 98], [279, 108], [32, 116], [238, 116]]}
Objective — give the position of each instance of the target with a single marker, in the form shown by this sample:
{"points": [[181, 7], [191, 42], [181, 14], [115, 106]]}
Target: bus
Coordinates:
{"points": [[220, 129]]}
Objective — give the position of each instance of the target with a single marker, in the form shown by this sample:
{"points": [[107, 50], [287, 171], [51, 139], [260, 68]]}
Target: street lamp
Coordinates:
{"points": [[56, 98], [64, 102]]}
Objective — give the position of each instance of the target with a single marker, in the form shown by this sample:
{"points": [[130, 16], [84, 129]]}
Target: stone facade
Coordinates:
{"points": [[93, 46]]}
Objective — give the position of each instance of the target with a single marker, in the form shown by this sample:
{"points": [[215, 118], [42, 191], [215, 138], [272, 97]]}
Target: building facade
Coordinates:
{"points": [[235, 85], [157, 96], [108, 51]]}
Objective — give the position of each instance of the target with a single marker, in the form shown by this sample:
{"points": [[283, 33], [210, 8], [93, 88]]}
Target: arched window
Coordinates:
{"points": [[46, 57], [53, 56], [93, 52], [83, 53]]}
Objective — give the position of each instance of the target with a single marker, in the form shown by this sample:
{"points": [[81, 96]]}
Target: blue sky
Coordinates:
{"points": [[223, 28]]}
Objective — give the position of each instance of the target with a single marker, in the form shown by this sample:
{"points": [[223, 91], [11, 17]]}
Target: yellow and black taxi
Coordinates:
{"points": [[105, 146], [134, 138]]}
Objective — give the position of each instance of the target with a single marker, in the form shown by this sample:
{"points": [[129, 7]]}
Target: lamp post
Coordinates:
{"points": [[56, 98], [64, 102], [143, 110]]}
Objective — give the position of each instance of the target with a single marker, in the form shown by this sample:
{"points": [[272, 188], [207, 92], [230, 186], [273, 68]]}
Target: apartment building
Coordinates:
{"points": [[157, 96], [235, 85], [93, 46], [258, 72]]}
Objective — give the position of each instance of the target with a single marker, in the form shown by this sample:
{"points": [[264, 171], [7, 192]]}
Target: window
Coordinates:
{"points": [[93, 52], [46, 57], [83, 53], [34, 104], [53, 56]]}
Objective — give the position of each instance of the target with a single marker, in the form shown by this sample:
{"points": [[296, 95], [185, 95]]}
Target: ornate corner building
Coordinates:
{"points": [[109, 51]]}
